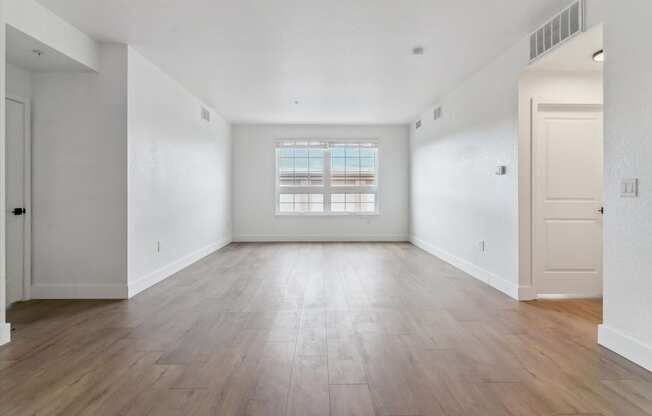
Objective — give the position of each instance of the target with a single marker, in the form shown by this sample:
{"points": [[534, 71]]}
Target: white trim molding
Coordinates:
{"points": [[157, 276], [79, 291], [5, 333], [626, 346], [521, 293], [320, 238]]}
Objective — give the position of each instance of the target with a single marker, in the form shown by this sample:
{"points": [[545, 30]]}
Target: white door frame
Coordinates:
{"points": [[535, 104], [27, 237]]}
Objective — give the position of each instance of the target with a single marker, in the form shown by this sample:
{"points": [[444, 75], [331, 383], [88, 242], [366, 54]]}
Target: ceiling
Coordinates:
{"points": [[313, 61], [574, 55], [21, 51]]}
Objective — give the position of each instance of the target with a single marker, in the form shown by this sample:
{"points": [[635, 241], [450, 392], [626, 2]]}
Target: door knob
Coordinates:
{"points": [[19, 211]]}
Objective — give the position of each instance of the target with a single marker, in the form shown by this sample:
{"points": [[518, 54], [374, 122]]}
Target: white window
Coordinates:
{"points": [[319, 177]]}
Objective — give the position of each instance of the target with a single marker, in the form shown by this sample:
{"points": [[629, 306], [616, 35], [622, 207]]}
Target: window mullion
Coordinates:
{"points": [[327, 180]]}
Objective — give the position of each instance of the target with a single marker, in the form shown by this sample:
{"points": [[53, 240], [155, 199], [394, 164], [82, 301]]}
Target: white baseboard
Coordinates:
{"points": [[78, 291], [284, 238], [157, 276], [5, 333], [526, 293], [626, 345], [510, 289]]}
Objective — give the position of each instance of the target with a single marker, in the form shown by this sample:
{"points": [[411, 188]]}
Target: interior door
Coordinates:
{"points": [[15, 186], [567, 199]]}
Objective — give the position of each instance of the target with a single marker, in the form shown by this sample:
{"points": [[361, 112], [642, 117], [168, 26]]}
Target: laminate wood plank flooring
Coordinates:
{"points": [[316, 329]]}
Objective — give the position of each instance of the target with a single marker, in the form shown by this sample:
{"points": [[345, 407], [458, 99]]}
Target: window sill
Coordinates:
{"points": [[327, 214]]}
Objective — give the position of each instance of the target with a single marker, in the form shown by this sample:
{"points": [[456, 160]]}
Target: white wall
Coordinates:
{"points": [[254, 186], [453, 164], [18, 82], [484, 117], [457, 200], [31, 18], [628, 154], [179, 177], [121, 161], [79, 153]]}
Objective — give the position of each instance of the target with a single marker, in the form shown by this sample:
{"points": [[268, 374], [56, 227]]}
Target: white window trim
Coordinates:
{"points": [[326, 189]]}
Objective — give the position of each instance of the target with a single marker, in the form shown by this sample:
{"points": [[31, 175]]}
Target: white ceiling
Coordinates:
{"points": [[345, 61], [20, 52]]}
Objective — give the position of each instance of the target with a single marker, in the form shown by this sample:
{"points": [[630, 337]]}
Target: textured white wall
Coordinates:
{"points": [[453, 161], [628, 154], [457, 200], [481, 132], [179, 176], [254, 186], [18, 82], [79, 153]]}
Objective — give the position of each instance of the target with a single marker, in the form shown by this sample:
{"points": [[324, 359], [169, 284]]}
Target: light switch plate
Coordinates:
{"points": [[629, 188]]}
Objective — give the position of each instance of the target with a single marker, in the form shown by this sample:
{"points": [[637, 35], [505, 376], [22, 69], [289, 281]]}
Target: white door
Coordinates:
{"points": [[567, 200], [16, 176]]}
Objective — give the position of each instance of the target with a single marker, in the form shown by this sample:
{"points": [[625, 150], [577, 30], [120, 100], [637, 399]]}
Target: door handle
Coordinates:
{"points": [[601, 210], [19, 211]]}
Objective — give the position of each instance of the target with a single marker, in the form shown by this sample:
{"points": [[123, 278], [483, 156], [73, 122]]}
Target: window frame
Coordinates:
{"points": [[327, 189]]}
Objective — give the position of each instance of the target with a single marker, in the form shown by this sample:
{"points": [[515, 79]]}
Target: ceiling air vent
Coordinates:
{"points": [[559, 29], [419, 124], [205, 114], [437, 113]]}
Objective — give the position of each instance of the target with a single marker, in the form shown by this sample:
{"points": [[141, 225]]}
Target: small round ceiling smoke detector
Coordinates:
{"points": [[599, 56], [37, 52], [418, 50]]}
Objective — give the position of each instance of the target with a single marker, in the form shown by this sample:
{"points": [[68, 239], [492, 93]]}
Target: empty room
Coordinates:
{"points": [[326, 208]]}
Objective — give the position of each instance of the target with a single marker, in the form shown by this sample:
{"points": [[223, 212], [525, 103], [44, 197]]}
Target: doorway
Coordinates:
{"points": [[561, 165], [18, 199]]}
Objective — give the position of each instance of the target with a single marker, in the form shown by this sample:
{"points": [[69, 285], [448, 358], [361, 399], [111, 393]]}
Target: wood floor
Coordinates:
{"points": [[316, 329]]}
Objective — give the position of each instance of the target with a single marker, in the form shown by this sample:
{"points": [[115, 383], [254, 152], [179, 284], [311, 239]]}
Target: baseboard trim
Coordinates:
{"points": [[626, 346], [78, 291], [5, 333], [157, 276], [512, 290], [288, 238]]}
